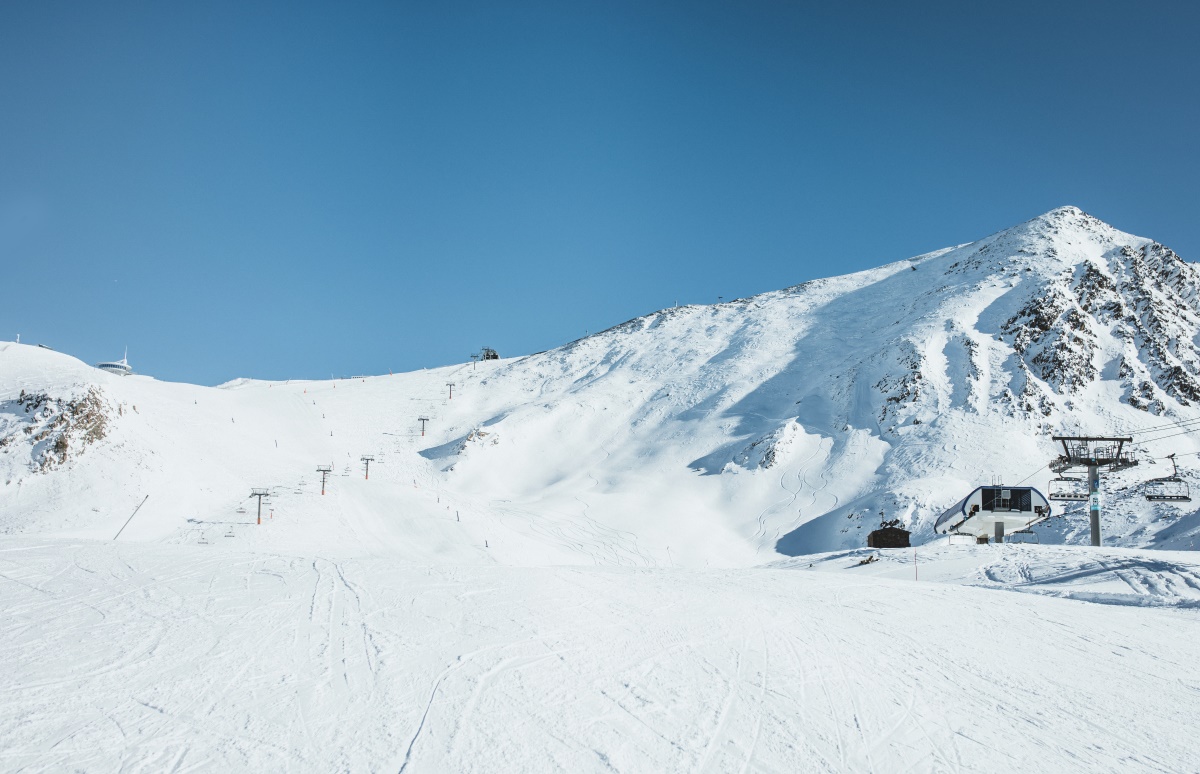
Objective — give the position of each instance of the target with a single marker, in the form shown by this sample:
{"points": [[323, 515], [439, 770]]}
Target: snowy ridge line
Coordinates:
{"points": [[899, 388]]}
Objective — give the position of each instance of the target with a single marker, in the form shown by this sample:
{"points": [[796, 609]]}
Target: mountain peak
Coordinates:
{"points": [[1069, 215], [1064, 211]]}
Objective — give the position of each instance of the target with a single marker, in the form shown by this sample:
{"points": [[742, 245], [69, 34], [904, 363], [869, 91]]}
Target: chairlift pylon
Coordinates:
{"points": [[1170, 488]]}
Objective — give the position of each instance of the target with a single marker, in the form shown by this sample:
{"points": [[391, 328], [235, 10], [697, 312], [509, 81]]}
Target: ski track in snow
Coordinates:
{"points": [[145, 658]]}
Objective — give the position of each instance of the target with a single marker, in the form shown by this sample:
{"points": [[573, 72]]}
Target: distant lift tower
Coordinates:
{"points": [[260, 494], [422, 420], [324, 470], [1093, 453], [367, 460], [451, 386]]}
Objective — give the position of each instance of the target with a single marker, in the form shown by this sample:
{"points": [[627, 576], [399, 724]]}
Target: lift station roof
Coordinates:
{"points": [[1017, 507]]}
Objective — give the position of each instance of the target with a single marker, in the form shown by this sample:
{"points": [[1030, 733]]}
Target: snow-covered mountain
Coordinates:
{"points": [[362, 630], [784, 423]]}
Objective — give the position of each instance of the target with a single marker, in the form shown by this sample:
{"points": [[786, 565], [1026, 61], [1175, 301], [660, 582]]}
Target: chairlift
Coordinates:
{"points": [[1170, 488], [230, 533], [1071, 488], [1025, 536], [960, 539], [240, 509]]}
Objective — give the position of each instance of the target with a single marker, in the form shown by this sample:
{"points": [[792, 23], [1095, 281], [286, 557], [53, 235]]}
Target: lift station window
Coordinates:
{"points": [[1006, 499]]}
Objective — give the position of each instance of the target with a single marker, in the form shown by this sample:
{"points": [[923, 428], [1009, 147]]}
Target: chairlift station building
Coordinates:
{"points": [[993, 511], [119, 367]]}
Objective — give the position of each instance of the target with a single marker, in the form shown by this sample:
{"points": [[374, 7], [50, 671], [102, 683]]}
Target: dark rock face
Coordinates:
{"points": [[54, 427]]}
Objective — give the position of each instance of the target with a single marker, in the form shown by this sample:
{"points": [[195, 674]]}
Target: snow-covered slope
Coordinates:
{"points": [[135, 657], [723, 435]]}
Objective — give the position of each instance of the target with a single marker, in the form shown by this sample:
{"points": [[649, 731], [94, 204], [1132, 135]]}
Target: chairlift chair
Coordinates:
{"points": [[1170, 488], [960, 539], [1068, 488], [1026, 536]]}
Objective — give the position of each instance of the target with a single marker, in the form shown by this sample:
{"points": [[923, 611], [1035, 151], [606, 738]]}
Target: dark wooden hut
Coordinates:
{"points": [[888, 536]]}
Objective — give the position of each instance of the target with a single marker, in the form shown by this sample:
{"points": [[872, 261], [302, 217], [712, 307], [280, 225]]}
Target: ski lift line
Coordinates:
{"points": [[1186, 427], [1168, 426], [1172, 435], [1169, 456], [1031, 475]]}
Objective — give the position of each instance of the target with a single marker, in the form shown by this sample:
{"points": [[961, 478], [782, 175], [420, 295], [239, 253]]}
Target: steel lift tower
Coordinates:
{"points": [[1094, 453], [324, 470], [260, 494], [367, 460]]}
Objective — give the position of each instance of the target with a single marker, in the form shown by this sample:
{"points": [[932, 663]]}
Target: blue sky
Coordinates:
{"points": [[294, 190]]}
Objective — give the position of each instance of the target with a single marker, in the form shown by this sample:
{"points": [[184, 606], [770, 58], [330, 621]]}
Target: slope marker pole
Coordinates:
{"points": [[135, 510]]}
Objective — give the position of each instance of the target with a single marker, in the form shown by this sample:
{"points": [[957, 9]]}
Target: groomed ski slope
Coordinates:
{"points": [[175, 658]]}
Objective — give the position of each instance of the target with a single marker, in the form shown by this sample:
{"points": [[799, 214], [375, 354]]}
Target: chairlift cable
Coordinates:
{"points": [[1168, 426], [1172, 435], [1031, 475]]}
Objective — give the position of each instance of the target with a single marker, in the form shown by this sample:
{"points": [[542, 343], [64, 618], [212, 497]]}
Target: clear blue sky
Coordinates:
{"points": [[294, 190]]}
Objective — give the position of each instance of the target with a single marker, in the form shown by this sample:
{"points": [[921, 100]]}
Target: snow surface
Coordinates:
{"points": [[584, 563], [138, 657]]}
